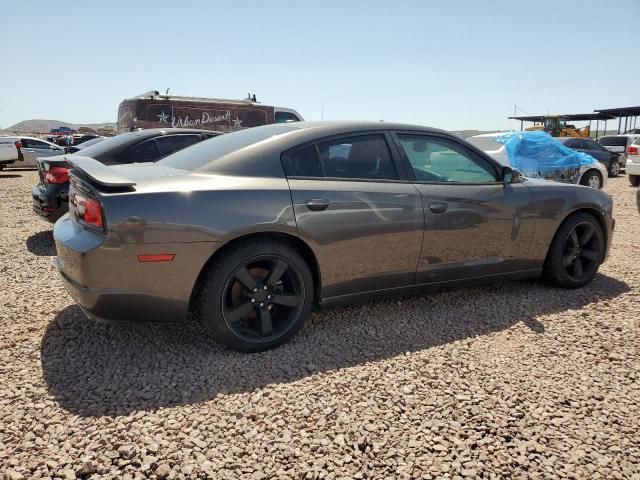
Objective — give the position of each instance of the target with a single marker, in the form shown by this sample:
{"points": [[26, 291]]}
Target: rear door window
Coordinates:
{"points": [[363, 157], [172, 143]]}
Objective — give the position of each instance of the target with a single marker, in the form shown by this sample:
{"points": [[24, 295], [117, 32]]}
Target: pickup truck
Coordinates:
{"points": [[9, 151]]}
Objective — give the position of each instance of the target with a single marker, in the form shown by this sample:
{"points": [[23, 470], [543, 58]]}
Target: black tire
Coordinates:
{"points": [[568, 252], [634, 180], [614, 168], [591, 178], [272, 310]]}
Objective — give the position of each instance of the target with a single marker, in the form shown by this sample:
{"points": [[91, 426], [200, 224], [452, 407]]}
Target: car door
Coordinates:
{"points": [[363, 222], [475, 225], [33, 149]]}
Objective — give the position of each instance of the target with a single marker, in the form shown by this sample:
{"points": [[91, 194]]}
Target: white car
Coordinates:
{"points": [[593, 175], [30, 149], [633, 163], [619, 144], [8, 152]]}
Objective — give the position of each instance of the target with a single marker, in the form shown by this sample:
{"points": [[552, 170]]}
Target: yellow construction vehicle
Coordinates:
{"points": [[556, 126]]}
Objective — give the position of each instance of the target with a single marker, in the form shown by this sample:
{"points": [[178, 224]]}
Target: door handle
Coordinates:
{"points": [[438, 207], [317, 204]]}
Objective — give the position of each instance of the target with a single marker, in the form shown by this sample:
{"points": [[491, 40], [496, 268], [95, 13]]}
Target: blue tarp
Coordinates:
{"points": [[538, 154]]}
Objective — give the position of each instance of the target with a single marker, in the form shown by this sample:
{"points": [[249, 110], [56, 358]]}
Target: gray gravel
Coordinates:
{"points": [[511, 381]]}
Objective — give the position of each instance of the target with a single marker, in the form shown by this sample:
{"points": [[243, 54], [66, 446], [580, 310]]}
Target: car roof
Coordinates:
{"points": [[341, 126], [152, 132]]}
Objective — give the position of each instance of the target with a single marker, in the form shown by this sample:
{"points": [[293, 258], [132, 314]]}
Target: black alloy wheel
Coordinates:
{"points": [[581, 255], [263, 298], [576, 252], [256, 294]]}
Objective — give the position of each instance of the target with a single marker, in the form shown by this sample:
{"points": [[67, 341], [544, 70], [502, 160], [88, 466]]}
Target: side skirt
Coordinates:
{"points": [[429, 287]]}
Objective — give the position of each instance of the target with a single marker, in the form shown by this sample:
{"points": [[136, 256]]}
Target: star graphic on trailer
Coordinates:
{"points": [[237, 122], [162, 118]]}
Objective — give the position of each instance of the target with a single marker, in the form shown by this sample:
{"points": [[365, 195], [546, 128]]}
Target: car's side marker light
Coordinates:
{"points": [[156, 257]]}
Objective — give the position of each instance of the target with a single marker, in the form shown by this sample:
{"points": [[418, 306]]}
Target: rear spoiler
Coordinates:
{"points": [[99, 173]]}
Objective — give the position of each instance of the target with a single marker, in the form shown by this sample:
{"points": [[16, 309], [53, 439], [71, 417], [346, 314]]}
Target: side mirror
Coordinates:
{"points": [[511, 175]]}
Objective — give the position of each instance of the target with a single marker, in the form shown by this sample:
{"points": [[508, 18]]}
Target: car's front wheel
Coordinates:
{"points": [[634, 180], [591, 179], [257, 295], [576, 252], [614, 168]]}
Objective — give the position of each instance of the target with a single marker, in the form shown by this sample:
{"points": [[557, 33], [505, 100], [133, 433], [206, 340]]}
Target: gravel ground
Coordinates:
{"points": [[510, 381]]}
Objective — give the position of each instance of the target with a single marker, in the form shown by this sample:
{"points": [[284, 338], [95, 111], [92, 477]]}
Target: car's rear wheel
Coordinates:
{"points": [[576, 252], [634, 180], [614, 168], [257, 295], [592, 179]]}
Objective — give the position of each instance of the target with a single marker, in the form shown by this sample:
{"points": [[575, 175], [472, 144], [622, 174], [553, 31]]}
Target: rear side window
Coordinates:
{"points": [[365, 157], [146, 151], [172, 143]]}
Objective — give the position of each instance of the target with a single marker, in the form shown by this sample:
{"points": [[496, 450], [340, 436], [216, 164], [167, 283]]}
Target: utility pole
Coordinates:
{"points": [[322, 104]]}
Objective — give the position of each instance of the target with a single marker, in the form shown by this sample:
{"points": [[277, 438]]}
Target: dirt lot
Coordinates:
{"points": [[511, 381]]}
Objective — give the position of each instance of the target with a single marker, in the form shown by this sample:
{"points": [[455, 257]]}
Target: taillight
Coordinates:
{"points": [[86, 209], [632, 150], [18, 144], [57, 175], [93, 212]]}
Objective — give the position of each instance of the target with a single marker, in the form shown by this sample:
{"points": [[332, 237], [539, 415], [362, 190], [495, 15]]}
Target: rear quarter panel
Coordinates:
{"points": [[203, 208]]}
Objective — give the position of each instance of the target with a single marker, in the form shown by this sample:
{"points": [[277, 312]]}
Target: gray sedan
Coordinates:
{"points": [[248, 230]]}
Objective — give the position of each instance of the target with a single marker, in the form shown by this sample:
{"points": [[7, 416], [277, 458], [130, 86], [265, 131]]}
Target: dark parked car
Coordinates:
{"points": [[87, 143], [246, 231], [611, 160], [50, 196]]}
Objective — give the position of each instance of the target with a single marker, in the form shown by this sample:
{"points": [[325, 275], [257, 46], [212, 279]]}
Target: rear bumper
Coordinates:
{"points": [[633, 168], [102, 274], [113, 305], [50, 202]]}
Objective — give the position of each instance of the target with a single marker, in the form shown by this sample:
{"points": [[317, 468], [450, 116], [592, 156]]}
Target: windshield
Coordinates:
{"points": [[203, 153], [485, 144]]}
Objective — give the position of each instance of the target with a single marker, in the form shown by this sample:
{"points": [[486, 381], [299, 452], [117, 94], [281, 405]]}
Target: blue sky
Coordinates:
{"points": [[453, 65]]}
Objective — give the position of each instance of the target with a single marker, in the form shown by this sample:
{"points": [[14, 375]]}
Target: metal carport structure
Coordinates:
{"points": [[576, 117], [630, 115]]}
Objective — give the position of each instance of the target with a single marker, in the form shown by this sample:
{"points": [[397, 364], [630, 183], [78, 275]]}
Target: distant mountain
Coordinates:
{"points": [[45, 126]]}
